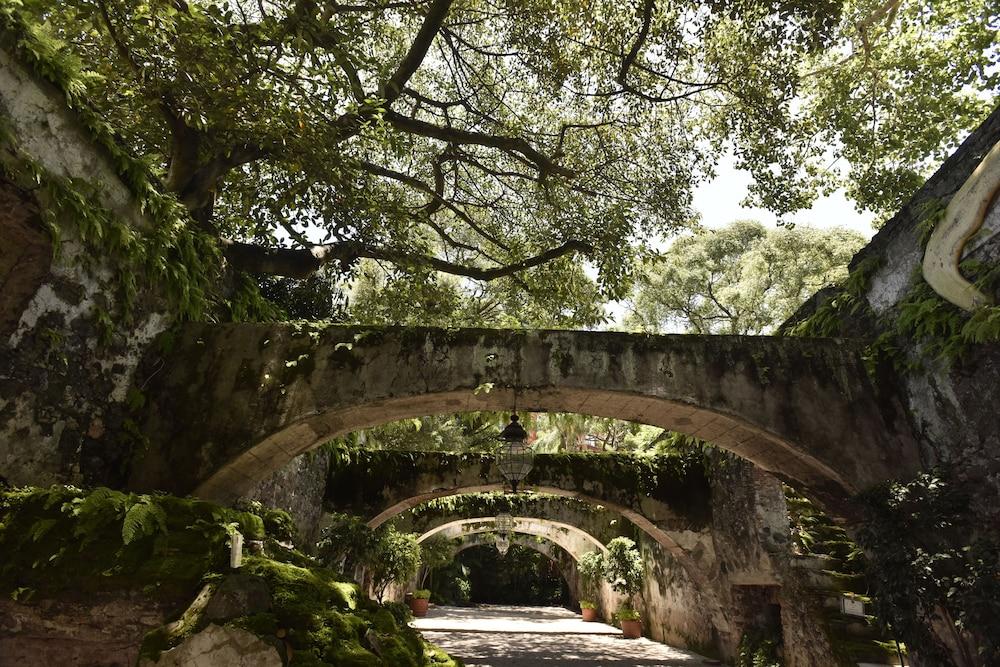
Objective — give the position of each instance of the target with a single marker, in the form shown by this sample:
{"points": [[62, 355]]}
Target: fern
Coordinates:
{"points": [[94, 512], [39, 528], [143, 518]]}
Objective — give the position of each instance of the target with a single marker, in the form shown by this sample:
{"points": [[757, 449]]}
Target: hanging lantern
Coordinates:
{"points": [[505, 523], [514, 458], [503, 543]]}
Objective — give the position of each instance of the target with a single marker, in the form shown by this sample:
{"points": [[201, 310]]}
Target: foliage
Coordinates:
{"points": [[847, 301], [627, 613], [522, 576], [558, 296], [63, 538], [552, 433], [758, 649], [394, 557], [587, 604], [65, 541], [463, 432], [740, 279], [813, 532], [422, 594], [494, 143], [435, 552], [933, 559], [492, 503], [590, 566], [451, 585], [923, 326], [678, 478], [623, 567], [345, 543], [278, 523]]}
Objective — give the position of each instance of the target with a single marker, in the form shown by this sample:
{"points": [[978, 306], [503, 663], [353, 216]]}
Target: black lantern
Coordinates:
{"points": [[503, 543], [514, 458], [504, 522]]}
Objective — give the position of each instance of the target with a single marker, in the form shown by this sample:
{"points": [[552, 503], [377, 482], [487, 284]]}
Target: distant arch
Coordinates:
{"points": [[571, 539]]}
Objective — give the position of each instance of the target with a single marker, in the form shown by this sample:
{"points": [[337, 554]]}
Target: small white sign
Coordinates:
{"points": [[235, 549], [852, 607]]}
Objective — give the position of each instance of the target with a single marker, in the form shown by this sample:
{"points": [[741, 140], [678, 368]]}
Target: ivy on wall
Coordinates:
{"points": [[184, 263]]}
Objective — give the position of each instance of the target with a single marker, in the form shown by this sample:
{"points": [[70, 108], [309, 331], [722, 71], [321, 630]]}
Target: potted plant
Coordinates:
{"points": [[623, 569], [434, 553], [419, 600], [630, 621], [591, 569]]}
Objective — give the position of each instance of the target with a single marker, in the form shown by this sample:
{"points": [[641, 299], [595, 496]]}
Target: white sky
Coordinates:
{"points": [[718, 202]]}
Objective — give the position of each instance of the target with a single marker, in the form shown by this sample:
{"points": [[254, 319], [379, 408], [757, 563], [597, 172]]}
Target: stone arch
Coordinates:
{"points": [[380, 485], [233, 403], [563, 560], [571, 539], [599, 521]]}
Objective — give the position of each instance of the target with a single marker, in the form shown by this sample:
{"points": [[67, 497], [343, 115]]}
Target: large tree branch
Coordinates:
{"points": [[436, 197], [302, 262], [517, 145], [197, 189], [433, 21], [630, 57]]}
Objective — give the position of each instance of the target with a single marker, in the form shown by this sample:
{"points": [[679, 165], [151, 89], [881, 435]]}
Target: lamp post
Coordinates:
{"points": [[514, 458]]}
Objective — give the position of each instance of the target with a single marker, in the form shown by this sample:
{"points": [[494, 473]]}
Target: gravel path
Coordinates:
{"points": [[500, 636]]}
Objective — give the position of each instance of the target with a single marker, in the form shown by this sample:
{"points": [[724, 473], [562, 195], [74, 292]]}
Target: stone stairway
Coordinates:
{"points": [[831, 567]]}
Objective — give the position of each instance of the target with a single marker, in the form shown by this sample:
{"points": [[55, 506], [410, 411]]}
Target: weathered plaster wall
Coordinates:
{"points": [[755, 568], [675, 609], [99, 630], [25, 253], [951, 403], [62, 389], [298, 488]]}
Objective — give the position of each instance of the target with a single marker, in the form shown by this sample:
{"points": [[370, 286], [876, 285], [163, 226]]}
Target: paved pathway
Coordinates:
{"points": [[496, 636]]}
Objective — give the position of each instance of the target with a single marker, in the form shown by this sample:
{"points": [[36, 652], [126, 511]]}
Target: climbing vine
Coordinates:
{"points": [[184, 263], [923, 322]]}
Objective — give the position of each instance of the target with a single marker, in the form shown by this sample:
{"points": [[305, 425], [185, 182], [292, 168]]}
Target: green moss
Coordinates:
{"points": [[349, 654], [64, 538]]}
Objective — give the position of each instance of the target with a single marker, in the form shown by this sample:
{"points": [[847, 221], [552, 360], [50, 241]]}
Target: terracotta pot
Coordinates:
{"points": [[631, 629], [589, 614], [419, 607]]}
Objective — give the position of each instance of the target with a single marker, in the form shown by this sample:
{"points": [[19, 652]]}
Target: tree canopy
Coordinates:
{"points": [[491, 138], [740, 279]]}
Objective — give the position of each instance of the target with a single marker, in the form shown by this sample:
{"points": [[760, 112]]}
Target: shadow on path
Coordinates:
{"points": [[495, 636]]}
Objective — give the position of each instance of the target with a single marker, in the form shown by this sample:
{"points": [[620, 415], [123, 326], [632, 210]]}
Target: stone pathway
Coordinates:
{"points": [[501, 636]]}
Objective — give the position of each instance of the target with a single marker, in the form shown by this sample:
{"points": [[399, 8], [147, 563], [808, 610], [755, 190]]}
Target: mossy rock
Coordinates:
{"points": [[349, 654], [66, 539]]}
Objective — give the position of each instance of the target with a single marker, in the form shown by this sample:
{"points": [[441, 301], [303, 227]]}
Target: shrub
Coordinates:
{"points": [[591, 570], [623, 567]]}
